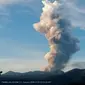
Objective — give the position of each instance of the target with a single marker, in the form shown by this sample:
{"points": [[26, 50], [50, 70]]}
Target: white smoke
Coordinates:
{"points": [[56, 27]]}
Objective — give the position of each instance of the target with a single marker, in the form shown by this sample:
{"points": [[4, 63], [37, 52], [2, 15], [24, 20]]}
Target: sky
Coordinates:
{"points": [[21, 47]]}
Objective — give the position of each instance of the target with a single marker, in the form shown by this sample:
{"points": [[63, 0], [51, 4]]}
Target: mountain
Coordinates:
{"points": [[11, 73], [72, 77]]}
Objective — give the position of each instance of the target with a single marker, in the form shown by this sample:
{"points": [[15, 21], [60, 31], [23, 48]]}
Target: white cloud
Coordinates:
{"points": [[20, 57], [73, 65], [5, 15], [4, 2], [7, 1], [76, 12], [75, 9], [15, 49], [20, 65]]}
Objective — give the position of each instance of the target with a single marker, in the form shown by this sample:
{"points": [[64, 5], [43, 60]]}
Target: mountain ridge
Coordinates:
{"points": [[74, 77]]}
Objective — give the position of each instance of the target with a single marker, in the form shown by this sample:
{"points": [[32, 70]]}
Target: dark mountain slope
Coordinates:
{"points": [[72, 77]]}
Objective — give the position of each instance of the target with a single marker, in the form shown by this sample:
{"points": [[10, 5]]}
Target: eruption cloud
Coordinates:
{"points": [[57, 29]]}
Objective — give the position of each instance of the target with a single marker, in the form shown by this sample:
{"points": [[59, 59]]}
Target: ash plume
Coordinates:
{"points": [[57, 29]]}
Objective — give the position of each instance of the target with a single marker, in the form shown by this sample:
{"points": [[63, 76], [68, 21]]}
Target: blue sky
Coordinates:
{"points": [[21, 46]]}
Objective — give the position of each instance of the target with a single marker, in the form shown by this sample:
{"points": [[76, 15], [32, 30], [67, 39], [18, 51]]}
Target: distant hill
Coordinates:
{"points": [[11, 73], [72, 77]]}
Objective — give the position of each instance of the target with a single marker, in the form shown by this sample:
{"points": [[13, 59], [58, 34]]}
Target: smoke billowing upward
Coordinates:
{"points": [[57, 30]]}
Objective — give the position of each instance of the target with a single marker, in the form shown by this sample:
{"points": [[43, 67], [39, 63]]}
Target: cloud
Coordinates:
{"points": [[80, 65], [4, 16], [73, 65], [76, 12], [15, 49], [7, 2], [6, 8], [20, 65], [75, 8], [20, 57]]}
